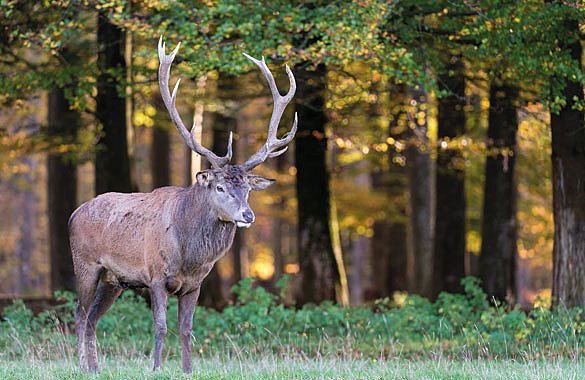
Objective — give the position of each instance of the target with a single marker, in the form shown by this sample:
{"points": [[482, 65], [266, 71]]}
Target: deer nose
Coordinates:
{"points": [[248, 216]]}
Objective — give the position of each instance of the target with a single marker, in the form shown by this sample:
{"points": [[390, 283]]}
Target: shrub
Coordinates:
{"points": [[457, 325]]}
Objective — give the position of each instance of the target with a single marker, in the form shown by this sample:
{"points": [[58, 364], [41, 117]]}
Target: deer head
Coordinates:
{"points": [[228, 186]]}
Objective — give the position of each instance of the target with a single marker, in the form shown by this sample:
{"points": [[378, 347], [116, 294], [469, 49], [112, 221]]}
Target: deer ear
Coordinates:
{"points": [[204, 177], [258, 182]]}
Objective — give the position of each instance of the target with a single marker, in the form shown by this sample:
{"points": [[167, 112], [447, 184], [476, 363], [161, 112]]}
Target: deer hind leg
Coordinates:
{"points": [[159, 296], [105, 296], [87, 280], [187, 304]]}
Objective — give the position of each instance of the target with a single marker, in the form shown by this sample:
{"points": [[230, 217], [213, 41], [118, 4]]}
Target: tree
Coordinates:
{"points": [[112, 163], [212, 293], [568, 159], [62, 190], [319, 273], [27, 200], [449, 243], [498, 238], [420, 188], [280, 226], [160, 147], [389, 243]]}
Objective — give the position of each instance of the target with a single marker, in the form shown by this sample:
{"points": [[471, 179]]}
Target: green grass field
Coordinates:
{"points": [[284, 368]]}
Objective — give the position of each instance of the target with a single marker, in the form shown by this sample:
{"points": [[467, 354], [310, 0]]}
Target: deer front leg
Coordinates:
{"points": [[187, 304], [159, 296]]}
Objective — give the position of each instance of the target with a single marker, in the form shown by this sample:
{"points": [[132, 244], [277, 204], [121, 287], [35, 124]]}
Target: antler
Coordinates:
{"points": [[274, 146], [164, 70]]}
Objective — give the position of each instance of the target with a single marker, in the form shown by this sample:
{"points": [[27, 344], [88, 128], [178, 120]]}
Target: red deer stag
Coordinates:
{"points": [[167, 240]]}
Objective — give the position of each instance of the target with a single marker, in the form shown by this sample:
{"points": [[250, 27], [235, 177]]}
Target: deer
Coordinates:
{"points": [[167, 240]]}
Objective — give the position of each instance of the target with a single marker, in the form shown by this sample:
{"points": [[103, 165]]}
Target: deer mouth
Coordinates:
{"points": [[243, 224]]}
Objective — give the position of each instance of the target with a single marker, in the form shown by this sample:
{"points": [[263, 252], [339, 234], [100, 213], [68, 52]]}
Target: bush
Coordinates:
{"points": [[457, 325]]}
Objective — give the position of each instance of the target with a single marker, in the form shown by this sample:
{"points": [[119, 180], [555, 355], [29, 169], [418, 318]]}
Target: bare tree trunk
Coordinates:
{"points": [[188, 170], [129, 100], [211, 291], [419, 170], [112, 163], [212, 288], [239, 245], [359, 252], [192, 159], [279, 227], [318, 270], [160, 147], [449, 245], [568, 159], [28, 225], [63, 122], [277, 232], [160, 151], [498, 242], [342, 289], [389, 243], [381, 256], [212, 294], [360, 246]]}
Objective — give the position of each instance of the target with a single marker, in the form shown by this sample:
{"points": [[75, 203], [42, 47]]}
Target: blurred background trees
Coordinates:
{"points": [[436, 139]]}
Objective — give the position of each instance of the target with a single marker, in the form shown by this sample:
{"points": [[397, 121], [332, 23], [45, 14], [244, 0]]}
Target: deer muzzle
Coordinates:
{"points": [[247, 219]]}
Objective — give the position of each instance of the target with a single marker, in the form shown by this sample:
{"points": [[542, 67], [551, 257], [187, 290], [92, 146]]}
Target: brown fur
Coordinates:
{"points": [[167, 240]]}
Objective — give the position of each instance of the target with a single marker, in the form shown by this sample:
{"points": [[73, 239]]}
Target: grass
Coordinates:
{"points": [[273, 367], [460, 336]]}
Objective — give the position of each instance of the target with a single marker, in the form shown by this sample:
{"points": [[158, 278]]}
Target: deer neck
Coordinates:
{"points": [[203, 237]]}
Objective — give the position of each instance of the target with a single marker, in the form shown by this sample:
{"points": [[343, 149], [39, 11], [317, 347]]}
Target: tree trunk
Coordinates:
{"points": [[420, 184], [359, 252], [279, 224], [237, 248], [568, 159], [211, 291], [449, 244], [192, 159], [112, 163], [160, 151], [499, 231], [62, 191], [318, 270], [389, 243], [212, 288], [360, 245], [28, 223]]}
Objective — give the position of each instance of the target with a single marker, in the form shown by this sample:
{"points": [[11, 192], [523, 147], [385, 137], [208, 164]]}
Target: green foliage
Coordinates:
{"points": [[406, 40], [458, 325], [51, 44]]}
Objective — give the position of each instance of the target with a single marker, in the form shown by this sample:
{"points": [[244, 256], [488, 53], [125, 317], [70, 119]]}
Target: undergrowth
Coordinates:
{"points": [[456, 326]]}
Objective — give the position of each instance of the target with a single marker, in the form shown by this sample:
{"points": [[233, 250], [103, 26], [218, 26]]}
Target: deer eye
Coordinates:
{"points": [[220, 189]]}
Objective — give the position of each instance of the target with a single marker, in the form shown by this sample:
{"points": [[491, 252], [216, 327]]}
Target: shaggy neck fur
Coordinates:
{"points": [[203, 238]]}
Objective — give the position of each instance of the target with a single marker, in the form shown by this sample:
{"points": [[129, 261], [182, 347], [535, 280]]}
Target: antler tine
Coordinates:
{"points": [[170, 100], [274, 146]]}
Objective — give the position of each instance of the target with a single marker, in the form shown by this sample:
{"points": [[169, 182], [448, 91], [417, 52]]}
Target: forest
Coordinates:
{"points": [[437, 141]]}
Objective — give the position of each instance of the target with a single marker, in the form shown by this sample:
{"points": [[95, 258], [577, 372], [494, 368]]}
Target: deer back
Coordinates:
{"points": [[141, 236]]}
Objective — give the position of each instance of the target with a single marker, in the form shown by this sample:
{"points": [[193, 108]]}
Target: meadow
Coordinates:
{"points": [[459, 336]]}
